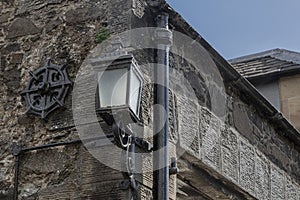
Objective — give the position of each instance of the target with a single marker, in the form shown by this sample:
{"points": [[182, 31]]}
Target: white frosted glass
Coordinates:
{"points": [[135, 84], [112, 88]]}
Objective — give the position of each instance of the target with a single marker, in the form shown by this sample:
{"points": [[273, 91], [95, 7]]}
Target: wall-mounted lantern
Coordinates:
{"points": [[118, 100], [119, 88]]}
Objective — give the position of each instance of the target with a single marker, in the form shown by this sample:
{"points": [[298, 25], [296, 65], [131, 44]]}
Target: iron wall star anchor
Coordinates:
{"points": [[46, 90]]}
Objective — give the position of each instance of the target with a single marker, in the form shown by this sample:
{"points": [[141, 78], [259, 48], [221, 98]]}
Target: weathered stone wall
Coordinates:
{"points": [[65, 31], [242, 148], [267, 137], [247, 147]]}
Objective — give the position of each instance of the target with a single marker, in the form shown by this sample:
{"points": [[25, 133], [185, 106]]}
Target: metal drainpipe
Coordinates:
{"points": [[163, 38]]}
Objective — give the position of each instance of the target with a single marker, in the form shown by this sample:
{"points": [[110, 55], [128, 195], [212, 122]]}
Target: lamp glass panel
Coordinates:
{"points": [[113, 87], [135, 88]]}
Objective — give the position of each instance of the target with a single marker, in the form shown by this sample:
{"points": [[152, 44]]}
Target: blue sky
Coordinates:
{"points": [[241, 27]]}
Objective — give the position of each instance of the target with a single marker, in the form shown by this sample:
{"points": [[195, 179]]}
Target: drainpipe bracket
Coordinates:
{"points": [[163, 36], [16, 149]]}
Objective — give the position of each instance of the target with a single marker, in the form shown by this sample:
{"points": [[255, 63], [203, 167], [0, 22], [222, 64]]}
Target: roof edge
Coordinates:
{"points": [[278, 53]]}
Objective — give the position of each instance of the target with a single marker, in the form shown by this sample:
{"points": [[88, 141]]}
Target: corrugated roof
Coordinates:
{"points": [[276, 61]]}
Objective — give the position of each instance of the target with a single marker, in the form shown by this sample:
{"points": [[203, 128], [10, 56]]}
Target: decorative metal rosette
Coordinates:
{"points": [[46, 90]]}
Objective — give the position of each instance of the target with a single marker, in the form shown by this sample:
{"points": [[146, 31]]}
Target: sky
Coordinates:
{"points": [[242, 27]]}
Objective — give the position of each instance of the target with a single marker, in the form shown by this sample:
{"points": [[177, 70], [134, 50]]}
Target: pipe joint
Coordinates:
{"points": [[163, 36]]}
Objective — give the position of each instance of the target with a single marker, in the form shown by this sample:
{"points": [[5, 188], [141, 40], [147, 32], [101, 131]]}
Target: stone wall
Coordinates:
{"points": [[222, 133], [227, 151], [244, 146], [65, 31]]}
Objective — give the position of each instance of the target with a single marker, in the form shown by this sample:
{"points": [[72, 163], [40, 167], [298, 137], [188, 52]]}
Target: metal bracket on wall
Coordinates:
{"points": [[125, 138], [146, 146], [173, 169], [123, 134], [46, 90]]}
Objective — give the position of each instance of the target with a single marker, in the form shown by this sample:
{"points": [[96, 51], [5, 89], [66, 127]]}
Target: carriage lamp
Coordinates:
{"points": [[119, 87]]}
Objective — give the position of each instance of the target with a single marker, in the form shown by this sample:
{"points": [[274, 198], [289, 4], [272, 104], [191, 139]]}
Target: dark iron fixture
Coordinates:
{"points": [[173, 169], [46, 90], [125, 138], [163, 37]]}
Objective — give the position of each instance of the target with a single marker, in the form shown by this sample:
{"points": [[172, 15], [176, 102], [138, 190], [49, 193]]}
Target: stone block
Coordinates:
{"points": [[91, 170], [146, 193], [7, 193], [108, 190], [279, 158], [16, 58], [262, 176], [46, 168], [138, 8], [22, 27], [298, 191], [2, 63], [4, 17], [229, 153], [210, 134], [31, 5], [52, 25], [198, 86], [188, 126], [67, 190], [247, 166], [291, 189], [9, 48], [277, 183], [82, 15], [146, 100], [25, 120], [12, 79], [241, 120], [144, 164]]}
